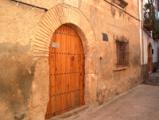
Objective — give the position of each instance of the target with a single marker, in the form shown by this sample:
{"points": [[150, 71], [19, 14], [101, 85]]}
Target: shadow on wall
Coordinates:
{"points": [[16, 75]]}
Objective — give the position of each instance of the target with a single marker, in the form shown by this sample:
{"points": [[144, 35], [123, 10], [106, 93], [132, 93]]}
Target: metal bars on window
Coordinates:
{"points": [[122, 53]]}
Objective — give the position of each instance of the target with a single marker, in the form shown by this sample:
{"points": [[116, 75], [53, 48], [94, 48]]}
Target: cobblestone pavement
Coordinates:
{"points": [[141, 103]]}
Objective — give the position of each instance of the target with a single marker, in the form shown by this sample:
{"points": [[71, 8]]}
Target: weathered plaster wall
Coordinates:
{"points": [[17, 24], [132, 6], [105, 18], [19, 73]]}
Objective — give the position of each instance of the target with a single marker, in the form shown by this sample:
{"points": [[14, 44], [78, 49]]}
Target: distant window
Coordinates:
{"points": [[121, 3], [122, 53]]}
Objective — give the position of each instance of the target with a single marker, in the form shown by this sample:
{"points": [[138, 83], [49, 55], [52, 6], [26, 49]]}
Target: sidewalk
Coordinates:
{"points": [[141, 103]]}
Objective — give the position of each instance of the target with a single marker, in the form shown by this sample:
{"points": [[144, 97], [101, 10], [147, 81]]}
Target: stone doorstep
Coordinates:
{"points": [[70, 113]]}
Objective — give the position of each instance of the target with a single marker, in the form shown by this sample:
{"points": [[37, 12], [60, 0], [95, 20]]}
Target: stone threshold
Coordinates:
{"points": [[70, 113]]}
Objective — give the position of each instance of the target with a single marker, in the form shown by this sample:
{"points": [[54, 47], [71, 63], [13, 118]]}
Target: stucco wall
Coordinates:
{"points": [[18, 25], [148, 40], [132, 6]]}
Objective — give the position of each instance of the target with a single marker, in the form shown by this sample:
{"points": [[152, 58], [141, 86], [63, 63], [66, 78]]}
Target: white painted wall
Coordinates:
{"points": [[146, 41]]}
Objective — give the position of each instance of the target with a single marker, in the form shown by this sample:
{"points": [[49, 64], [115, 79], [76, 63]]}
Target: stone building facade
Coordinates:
{"points": [[149, 45], [25, 36]]}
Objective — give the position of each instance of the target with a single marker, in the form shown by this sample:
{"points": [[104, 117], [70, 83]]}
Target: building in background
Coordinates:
{"points": [[57, 55], [149, 43]]}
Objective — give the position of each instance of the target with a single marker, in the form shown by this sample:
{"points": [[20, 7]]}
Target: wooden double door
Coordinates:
{"points": [[66, 66]]}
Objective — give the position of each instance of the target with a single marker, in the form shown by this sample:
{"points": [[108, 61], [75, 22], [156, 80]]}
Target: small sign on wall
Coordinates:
{"points": [[104, 37], [55, 45]]}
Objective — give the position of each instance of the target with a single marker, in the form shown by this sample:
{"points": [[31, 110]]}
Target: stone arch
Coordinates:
{"points": [[53, 19]]}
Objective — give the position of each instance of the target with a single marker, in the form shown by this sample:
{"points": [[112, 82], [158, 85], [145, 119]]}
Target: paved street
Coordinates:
{"points": [[153, 79], [141, 103]]}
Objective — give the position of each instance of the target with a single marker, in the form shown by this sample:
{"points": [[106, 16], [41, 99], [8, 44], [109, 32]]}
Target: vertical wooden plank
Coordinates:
{"points": [[57, 104], [52, 105]]}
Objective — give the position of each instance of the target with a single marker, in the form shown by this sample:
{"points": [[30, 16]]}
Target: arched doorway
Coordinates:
{"points": [[66, 68], [150, 66], [49, 23]]}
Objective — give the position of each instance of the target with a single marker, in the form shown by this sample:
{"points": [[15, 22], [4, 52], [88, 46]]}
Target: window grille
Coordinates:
{"points": [[122, 53]]}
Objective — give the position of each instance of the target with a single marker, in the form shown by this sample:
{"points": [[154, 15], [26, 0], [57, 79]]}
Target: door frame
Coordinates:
{"points": [[83, 66], [150, 58]]}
